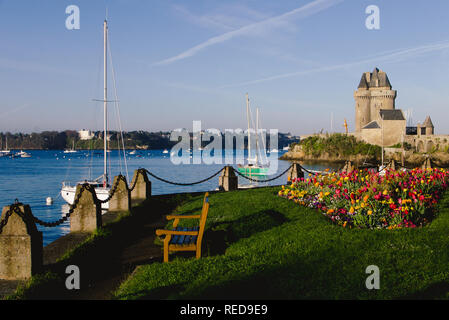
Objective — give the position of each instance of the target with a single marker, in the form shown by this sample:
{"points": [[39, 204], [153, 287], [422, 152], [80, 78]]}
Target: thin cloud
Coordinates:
{"points": [[302, 12], [394, 56]]}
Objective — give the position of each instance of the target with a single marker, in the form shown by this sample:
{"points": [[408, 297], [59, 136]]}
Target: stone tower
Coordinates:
{"points": [[373, 94]]}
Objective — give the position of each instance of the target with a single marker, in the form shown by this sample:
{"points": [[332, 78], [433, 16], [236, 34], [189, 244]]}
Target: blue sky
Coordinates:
{"points": [[179, 61]]}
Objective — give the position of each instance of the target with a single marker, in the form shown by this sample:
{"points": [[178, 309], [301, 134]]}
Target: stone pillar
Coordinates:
{"points": [[295, 172], [426, 164], [348, 167], [87, 215], [21, 249], [121, 199], [228, 181], [142, 188]]}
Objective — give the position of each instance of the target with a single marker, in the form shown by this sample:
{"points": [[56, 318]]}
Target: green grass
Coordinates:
{"points": [[261, 246]]}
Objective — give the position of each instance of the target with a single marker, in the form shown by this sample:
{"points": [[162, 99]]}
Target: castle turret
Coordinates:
{"points": [[362, 103], [428, 126], [373, 94]]}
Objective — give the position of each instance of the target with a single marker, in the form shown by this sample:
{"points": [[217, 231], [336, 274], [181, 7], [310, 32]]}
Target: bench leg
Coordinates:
{"points": [[198, 252], [165, 251]]}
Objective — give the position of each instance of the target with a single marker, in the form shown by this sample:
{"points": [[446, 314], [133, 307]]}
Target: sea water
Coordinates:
{"points": [[32, 180]]}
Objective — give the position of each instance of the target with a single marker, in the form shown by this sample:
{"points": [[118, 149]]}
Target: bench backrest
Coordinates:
{"points": [[203, 218]]}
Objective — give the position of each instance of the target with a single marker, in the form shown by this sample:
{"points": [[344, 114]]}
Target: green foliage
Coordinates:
{"points": [[338, 145]]}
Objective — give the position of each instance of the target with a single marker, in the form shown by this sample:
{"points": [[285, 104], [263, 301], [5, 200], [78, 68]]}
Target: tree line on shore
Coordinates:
{"points": [[60, 140]]}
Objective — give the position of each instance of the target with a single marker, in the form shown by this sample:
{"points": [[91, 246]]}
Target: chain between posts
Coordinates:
{"points": [[111, 193], [265, 180], [67, 215], [135, 182], [182, 184]]}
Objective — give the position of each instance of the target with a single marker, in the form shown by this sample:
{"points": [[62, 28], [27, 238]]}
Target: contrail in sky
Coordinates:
{"points": [[302, 12], [394, 56]]}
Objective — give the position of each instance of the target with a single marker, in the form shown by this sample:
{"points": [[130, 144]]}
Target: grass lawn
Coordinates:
{"points": [[261, 246]]}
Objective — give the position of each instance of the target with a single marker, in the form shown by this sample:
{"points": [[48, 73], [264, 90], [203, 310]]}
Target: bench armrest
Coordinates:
{"points": [[160, 232], [171, 217]]}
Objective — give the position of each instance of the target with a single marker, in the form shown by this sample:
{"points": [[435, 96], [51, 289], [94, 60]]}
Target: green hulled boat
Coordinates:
{"points": [[252, 170]]}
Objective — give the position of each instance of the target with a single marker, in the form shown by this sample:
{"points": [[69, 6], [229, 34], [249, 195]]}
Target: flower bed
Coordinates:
{"points": [[366, 199]]}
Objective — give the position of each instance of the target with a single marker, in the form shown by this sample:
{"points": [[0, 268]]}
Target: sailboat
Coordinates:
{"points": [[101, 184], [73, 150], [5, 152], [253, 166]]}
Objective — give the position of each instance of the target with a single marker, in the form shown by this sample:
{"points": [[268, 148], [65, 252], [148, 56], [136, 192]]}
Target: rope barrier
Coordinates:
{"points": [[183, 184]]}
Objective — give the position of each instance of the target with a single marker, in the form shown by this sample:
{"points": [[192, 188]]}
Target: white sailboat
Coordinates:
{"points": [[5, 152], [253, 167], [73, 150], [101, 184]]}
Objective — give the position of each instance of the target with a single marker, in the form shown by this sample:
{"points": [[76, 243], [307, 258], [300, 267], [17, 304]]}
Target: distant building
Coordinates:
{"points": [[85, 134]]}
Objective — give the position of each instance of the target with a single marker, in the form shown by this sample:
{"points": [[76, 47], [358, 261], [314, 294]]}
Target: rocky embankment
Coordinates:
{"points": [[440, 159], [298, 154]]}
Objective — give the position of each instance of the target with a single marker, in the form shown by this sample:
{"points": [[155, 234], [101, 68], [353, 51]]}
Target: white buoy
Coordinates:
{"points": [[49, 201]]}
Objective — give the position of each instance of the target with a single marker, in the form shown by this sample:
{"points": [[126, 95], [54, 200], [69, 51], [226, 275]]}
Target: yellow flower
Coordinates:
{"points": [[370, 212], [351, 210], [385, 192]]}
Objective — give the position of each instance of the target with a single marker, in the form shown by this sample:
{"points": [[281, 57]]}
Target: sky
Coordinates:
{"points": [[175, 62]]}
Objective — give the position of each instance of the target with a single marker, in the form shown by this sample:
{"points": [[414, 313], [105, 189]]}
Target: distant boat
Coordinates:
{"points": [[71, 150], [165, 151], [133, 152], [4, 152], [286, 148], [25, 155], [253, 167], [274, 150], [20, 153]]}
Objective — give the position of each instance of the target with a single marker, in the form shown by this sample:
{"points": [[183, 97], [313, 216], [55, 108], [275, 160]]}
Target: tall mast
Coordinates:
{"points": [[257, 134], [249, 134], [105, 103]]}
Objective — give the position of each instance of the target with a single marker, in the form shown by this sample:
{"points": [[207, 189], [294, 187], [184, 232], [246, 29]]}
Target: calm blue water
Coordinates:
{"points": [[32, 180]]}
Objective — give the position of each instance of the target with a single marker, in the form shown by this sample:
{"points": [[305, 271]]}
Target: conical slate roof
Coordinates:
{"points": [[383, 80], [375, 79], [363, 83], [427, 123]]}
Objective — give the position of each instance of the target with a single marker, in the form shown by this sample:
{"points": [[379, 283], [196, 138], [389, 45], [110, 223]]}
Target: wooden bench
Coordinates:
{"points": [[185, 239]]}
